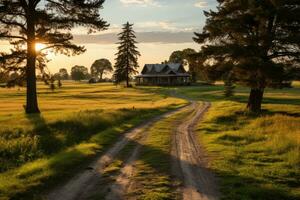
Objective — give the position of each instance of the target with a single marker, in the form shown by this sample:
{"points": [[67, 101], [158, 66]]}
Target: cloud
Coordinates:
{"points": [[201, 4], [163, 26], [142, 37], [140, 2]]}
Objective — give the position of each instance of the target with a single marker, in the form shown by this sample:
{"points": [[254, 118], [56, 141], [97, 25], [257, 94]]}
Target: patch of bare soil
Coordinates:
{"points": [[124, 183], [84, 184], [190, 161]]}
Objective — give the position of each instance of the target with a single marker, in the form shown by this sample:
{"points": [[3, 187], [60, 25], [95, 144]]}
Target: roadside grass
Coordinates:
{"points": [[78, 122], [255, 156], [153, 168]]}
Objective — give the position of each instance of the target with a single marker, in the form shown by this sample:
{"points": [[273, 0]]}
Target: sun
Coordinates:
{"points": [[39, 46]]}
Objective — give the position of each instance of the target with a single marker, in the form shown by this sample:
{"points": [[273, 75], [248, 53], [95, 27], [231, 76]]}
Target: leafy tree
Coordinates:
{"points": [[25, 23], [100, 67], [63, 73], [127, 56], [257, 42], [79, 73], [4, 76], [57, 76], [187, 58], [177, 57]]}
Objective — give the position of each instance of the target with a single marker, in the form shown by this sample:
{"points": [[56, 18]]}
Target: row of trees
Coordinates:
{"points": [[98, 69]]}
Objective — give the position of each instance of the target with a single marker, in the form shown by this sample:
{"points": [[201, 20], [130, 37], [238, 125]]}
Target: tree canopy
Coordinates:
{"points": [[187, 58], [101, 67], [26, 23], [257, 43], [63, 74], [127, 56], [79, 73]]}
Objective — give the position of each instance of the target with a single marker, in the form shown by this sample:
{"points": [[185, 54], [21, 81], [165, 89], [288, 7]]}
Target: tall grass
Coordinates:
{"points": [[255, 156]]}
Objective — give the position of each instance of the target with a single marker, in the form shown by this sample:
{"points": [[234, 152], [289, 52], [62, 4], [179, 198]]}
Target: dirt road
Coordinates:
{"points": [[83, 185], [189, 162]]}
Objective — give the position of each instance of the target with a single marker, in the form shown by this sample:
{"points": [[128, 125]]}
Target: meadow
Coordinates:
{"points": [[256, 156], [78, 122]]}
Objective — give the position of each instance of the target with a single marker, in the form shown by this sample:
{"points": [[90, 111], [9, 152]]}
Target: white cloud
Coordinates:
{"points": [[140, 2], [163, 26], [201, 4]]}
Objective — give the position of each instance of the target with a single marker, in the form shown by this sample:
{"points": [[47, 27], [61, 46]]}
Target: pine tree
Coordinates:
{"points": [[228, 86], [127, 56], [257, 42], [25, 23]]}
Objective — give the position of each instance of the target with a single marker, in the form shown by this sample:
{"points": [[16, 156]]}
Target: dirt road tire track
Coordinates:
{"points": [[82, 185], [189, 160]]}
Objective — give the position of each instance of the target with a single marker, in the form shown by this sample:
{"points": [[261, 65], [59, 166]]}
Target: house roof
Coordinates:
{"points": [[163, 70]]}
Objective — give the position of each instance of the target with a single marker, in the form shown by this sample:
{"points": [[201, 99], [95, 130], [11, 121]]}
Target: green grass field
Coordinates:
{"points": [[255, 156], [77, 122]]}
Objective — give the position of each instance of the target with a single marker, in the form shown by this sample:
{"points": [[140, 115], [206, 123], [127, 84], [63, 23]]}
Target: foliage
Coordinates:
{"points": [[63, 74], [4, 76], [228, 86], [187, 58], [101, 67], [256, 41], [177, 57], [127, 56], [26, 23], [79, 73]]}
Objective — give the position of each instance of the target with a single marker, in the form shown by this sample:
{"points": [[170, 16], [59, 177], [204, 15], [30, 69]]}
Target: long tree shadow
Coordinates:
{"points": [[216, 93], [255, 188]]}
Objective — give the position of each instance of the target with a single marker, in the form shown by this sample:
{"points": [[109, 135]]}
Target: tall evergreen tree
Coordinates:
{"points": [[25, 23], [257, 42], [127, 56]]}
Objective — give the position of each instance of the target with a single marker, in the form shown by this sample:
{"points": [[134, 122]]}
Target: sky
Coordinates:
{"points": [[162, 26]]}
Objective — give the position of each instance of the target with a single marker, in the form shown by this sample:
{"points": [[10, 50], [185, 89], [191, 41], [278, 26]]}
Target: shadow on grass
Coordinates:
{"points": [[215, 93], [60, 134], [234, 186]]}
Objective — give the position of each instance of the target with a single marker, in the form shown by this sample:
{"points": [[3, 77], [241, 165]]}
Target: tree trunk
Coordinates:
{"points": [[255, 100], [31, 100], [127, 75], [101, 76]]}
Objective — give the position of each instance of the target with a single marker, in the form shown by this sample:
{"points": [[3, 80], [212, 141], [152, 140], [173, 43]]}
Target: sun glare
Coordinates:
{"points": [[39, 46]]}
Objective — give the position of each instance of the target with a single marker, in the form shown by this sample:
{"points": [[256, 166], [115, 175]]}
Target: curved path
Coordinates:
{"points": [[82, 185], [190, 160], [189, 163]]}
